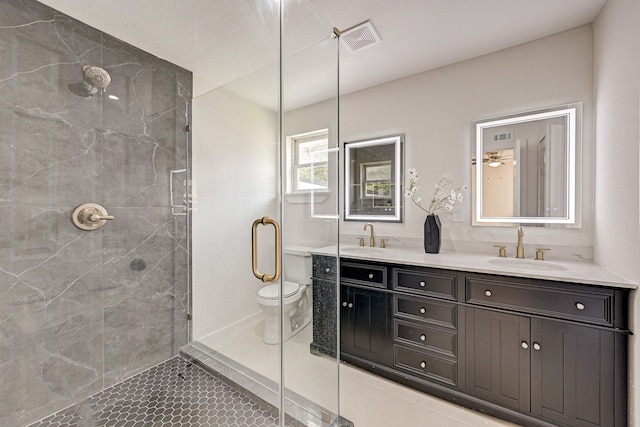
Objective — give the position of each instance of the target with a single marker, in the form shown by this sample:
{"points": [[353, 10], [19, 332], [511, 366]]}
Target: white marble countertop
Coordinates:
{"points": [[563, 271]]}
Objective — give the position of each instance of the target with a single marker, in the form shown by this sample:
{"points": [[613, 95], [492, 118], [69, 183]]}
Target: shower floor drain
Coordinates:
{"points": [[173, 393]]}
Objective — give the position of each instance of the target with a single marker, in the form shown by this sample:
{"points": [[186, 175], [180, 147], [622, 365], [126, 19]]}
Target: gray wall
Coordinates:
{"points": [[74, 316]]}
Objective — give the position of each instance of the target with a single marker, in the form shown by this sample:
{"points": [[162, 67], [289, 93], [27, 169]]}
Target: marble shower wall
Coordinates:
{"points": [[77, 314]]}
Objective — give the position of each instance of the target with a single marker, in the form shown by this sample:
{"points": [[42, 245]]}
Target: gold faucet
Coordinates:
{"points": [[520, 247], [372, 240]]}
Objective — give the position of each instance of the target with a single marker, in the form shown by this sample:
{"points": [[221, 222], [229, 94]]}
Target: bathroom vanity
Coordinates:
{"points": [[544, 350]]}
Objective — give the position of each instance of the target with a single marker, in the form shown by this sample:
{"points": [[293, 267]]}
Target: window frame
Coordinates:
{"points": [[293, 160]]}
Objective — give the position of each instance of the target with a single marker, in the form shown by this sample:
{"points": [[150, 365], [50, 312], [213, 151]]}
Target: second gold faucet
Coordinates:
{"points": [[520, 247], [372, 240]]}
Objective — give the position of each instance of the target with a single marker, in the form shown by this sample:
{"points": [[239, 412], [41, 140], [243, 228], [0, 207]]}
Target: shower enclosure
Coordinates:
{"points": [[89, 120], [244, 169]]}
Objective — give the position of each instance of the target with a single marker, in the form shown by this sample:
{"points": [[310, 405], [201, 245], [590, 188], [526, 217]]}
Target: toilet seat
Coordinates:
{"points": [[271, 292]]}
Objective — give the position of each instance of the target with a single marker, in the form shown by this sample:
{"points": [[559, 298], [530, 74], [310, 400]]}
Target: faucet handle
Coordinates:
{"points": [[540, 253], [502, 252], [383, 243], [360, 241]]}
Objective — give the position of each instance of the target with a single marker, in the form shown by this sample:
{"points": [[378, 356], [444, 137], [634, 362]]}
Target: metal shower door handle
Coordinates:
{"points": [[254, 249]]}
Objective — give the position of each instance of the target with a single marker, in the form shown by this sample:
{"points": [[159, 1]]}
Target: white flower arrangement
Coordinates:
{"points": [[441, 200]]}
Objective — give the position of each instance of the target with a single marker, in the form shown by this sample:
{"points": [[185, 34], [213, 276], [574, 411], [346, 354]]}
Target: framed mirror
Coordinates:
{"points": [[524, 167], [373, 171]]}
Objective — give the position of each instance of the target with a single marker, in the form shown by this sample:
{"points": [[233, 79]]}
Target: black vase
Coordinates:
{"points": [[432, 234]]}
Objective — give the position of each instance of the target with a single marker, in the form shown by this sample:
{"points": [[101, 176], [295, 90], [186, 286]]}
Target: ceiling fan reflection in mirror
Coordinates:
{"points": [[496, 158]]}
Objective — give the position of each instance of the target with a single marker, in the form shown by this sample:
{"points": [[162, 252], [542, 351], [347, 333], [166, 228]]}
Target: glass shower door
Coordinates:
{"points": [[264, 200]]}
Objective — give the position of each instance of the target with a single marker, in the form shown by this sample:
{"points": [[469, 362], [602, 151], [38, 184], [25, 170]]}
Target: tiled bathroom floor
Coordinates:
{"points": [[173, 394], [365, 399]]}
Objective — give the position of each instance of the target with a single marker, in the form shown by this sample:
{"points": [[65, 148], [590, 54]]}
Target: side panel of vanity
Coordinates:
{"points": [[533, 352]]}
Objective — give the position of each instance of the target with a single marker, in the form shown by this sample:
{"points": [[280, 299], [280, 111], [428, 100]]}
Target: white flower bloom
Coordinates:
{"points": [[448, 207], [459, 197]]}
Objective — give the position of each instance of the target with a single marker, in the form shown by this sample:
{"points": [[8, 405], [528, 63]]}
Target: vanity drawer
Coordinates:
{"points": [[437, 340], [325, 266], [564, 302], [363, 274], [425, 282], [427, 366], [427, 310]]}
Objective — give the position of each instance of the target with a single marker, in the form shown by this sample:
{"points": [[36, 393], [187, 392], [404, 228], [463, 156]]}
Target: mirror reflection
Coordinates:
{"points": [[527, 170], [373, 168]]}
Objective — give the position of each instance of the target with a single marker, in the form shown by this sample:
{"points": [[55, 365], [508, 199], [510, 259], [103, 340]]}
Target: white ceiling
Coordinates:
{"points": [[223, 40]]}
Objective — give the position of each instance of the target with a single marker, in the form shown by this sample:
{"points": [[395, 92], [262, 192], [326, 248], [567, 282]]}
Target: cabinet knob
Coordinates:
{"points": [[487, 293], [327, 270], [370, 275], [423, 337], [580, 306], [344, 304], [423, 283], [423, 364], [423, 310], [536, 346], [524, 345], [350, 305]]}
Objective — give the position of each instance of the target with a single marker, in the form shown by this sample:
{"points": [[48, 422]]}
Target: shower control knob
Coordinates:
{"points": [[96, 217], [90, 216]]}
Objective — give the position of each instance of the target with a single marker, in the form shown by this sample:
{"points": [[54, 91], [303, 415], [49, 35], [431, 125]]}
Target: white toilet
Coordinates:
{"points": [[297, 273]]}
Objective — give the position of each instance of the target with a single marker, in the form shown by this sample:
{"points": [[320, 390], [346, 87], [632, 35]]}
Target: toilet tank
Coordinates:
{"points": [[297, 264]]}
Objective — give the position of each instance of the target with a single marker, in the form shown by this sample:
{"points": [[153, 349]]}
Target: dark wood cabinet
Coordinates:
{"points": [[573, 370], [365, 325], [534, 352], [497, 358]]}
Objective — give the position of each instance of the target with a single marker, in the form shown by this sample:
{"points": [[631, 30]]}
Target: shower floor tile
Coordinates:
{"points": [[173, 393]]}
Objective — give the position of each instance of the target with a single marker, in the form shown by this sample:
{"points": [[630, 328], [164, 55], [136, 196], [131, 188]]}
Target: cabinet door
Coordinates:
{"points": [[366, 325], [497, 358], [572, 373]]}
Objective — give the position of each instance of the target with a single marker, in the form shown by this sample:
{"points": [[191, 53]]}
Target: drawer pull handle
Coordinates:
{"points": [[423, 337], [350, 305], [370, 275], [327, 270], [580, 306], [487, 293], [423, 364], [524, 345], [423, 283], [344, 304], [536, 346], [423, 310]]}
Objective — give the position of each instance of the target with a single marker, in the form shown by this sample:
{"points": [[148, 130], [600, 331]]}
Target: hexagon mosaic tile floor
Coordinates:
{"points": [[174, 394]]}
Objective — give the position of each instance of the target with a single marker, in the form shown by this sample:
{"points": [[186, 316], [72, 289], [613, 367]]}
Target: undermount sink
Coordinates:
{"points": [[527, 264], [362, 249]]}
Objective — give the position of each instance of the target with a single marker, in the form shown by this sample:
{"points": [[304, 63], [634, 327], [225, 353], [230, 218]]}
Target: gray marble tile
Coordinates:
{"points": [[77, 310]]}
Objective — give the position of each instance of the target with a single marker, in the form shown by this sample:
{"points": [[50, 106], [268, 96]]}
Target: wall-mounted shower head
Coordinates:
{"points": [[95, 76], [94, 79]]}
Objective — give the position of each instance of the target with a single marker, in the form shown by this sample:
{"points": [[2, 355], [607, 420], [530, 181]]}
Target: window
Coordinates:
{"points": [[308, 159]]}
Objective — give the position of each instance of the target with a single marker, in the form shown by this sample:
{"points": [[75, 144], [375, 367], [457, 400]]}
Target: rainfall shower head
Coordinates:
{"points": [[95, 76]]}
